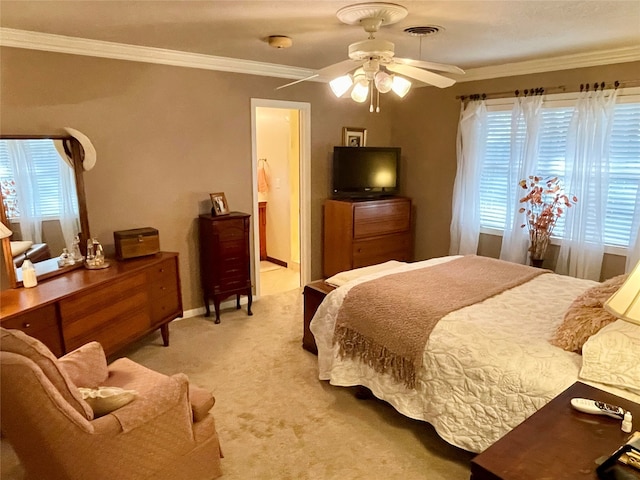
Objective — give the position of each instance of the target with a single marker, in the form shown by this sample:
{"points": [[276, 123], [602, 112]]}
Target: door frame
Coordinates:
{"points": [[304, 110]]}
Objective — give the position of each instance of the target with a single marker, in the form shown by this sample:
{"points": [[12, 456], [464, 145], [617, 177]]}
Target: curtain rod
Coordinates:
{"points": [[549, 90]]}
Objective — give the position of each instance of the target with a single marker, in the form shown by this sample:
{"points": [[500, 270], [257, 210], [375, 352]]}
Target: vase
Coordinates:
{"points": [[536, 262]]}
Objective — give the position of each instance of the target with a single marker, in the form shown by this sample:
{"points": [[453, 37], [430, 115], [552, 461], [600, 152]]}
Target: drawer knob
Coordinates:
{"points": [[26, 325]]}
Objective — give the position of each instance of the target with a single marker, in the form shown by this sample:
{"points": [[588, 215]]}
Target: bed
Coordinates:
{"points": [[487, 366]]}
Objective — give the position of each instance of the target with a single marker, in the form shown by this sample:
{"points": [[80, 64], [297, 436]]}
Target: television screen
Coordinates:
{"points": [[365, 171]]}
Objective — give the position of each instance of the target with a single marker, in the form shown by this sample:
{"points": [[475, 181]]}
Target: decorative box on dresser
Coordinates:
{"points": [[358, 233], [113, 306], [225, 261]]}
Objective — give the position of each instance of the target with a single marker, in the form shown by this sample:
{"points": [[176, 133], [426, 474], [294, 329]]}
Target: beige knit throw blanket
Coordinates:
{"points": [[387, 321]]}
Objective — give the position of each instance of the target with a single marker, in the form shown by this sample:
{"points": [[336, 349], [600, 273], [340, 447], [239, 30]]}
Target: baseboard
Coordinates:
{"points": [[276, 261], [196, 312]]}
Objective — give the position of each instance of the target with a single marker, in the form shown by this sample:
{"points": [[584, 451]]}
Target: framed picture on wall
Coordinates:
{"points": [[219, 202], [354, 137]]}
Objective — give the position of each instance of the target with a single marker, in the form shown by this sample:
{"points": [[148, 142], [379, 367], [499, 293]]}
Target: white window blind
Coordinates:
{"points": [[624, 176], [45, 172]]}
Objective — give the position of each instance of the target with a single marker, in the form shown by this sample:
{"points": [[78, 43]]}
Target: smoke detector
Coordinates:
{"points": [[279, 41]]}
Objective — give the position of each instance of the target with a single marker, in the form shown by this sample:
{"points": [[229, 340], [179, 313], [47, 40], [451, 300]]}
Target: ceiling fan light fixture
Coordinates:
{"points": [[400, 86], [340, 85], [383, 81], [360, 91]]}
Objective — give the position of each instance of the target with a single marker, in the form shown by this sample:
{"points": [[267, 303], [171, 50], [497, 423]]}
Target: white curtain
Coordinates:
{"points": [[69, 215], [525, 126], [587, 177], [29, 195], [25, 176], [633, 254], [470, 146]]}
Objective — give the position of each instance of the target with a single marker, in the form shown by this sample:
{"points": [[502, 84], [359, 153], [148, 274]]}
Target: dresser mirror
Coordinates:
{"points": [[43, 201]]}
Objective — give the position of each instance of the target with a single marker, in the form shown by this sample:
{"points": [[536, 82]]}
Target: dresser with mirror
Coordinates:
{"points": [[72, 305]]}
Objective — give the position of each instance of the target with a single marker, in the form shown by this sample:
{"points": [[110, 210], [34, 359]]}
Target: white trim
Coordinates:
{"points": [[10, 37], [200, 311], [564, 62], [304, 109]]}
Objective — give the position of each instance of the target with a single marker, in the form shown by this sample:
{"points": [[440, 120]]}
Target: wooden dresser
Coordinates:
{"points": [[225, 261], [114, 306], [358, 233]]}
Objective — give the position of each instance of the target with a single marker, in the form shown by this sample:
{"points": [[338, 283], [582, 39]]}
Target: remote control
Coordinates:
{"points": [[597, 408]]}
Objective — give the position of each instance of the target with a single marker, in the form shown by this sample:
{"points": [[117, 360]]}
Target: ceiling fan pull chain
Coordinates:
{"points": [[371, 88], [378, 102]]}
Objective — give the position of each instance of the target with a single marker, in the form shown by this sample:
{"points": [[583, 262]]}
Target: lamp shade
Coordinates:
{"points": [[400, 86], [340, 85], [625, 303], [4, 231], [383, 81], [360, 90]]}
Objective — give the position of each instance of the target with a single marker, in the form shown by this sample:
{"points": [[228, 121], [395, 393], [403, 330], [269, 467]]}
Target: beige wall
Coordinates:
{"points": [[425, 126], [166, 137]]}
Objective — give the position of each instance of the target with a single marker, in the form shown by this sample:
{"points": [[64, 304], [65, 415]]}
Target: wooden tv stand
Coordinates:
{"points": [[114, 306]]}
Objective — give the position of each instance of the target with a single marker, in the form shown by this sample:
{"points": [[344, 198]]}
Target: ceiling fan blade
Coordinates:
{"points": [[440, 67], [328, 73], [425, 76], [338, 69], [297, 81]]}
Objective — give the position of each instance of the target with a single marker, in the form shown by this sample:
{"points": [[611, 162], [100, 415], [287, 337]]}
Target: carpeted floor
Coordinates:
{"points": [[275, 419]]}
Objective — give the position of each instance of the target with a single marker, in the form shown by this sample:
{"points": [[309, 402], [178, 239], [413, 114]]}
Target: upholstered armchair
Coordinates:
{"points": [[165, 433]]}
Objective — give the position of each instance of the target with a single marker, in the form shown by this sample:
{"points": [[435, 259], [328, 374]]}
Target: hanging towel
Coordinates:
{"points": [[263, 176]]}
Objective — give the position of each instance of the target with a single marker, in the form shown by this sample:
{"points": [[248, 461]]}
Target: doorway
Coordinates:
{"points": [[281, 194]]}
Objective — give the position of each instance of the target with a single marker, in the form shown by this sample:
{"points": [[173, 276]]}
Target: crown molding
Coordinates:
{"points": [[48, 42], [564, 62], [10, 37]]}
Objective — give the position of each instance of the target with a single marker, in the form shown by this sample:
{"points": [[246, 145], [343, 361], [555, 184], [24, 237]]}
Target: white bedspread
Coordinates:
{"points": [[486, 367]]}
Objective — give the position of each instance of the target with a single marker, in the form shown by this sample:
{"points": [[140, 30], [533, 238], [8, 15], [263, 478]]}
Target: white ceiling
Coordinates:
{"points": [[477, 33]]}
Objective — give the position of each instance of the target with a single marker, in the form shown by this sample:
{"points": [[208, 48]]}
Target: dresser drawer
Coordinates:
{"points": [[381, 218], [382, 249], [164, 292], [230, 230], [41, 324], [111, 314]]}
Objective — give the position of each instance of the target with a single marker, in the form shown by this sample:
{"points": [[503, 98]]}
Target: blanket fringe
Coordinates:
{"points": [[353, 345]]}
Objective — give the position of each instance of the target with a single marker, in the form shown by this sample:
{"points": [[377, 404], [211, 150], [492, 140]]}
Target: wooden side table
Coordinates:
{"points": [[557, 442], [314, 294]]}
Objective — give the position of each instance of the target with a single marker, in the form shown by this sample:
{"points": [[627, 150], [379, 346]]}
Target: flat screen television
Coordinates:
{"points": [[365, 172]]}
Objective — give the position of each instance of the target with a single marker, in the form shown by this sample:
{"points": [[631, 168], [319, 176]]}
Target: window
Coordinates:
{"points": [[47, 182], [624, 176]]}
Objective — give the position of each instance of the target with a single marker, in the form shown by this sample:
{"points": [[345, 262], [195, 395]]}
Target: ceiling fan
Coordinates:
{"points": [[372, 65]]}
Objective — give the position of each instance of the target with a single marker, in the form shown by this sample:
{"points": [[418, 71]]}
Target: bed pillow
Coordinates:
{"points": [[19, 247], [586, 315], [612, 356]]}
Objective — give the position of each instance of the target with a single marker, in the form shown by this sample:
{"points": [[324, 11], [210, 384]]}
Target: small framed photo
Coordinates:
{"points": [[354, 137], [219, 202]]}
